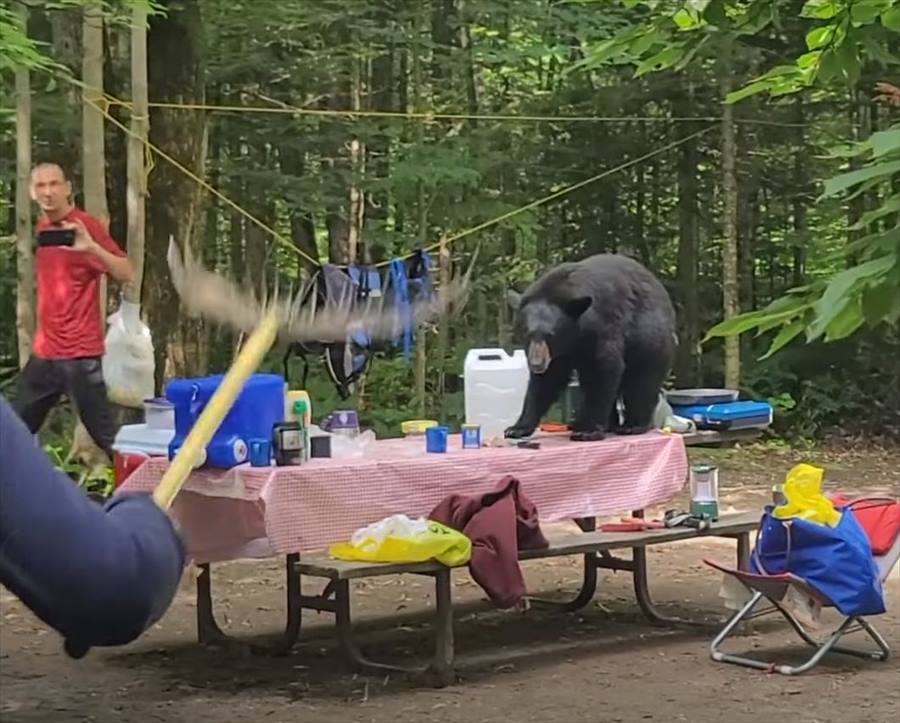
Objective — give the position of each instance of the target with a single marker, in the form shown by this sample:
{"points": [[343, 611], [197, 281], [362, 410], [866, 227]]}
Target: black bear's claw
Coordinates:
{"points": [[634, 430], [593, 435], [517, 432]]}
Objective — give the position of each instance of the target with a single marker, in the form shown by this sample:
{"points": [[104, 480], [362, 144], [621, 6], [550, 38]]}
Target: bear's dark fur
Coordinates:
{"points": [[611, 320]]}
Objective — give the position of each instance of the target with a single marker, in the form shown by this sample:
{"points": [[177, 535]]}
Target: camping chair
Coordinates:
{"points": [[881, 521]]}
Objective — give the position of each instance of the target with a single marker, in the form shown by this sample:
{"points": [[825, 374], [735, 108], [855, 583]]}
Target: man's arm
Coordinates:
{"points": [[97, 575], [117, 265]]}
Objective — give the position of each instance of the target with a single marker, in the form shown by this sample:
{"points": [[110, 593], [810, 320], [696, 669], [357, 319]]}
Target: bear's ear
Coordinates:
{"points": [[576, 307], [513, 298]]}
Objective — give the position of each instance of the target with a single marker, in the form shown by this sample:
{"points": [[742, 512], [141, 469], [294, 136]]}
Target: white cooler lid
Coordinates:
{"points": [[141, 438]]}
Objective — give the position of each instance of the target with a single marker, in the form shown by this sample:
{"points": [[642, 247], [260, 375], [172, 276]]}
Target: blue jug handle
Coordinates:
{"points": [[195, 408]]}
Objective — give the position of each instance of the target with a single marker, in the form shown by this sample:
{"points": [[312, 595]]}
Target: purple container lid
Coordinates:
{"points": [[344, 419]]}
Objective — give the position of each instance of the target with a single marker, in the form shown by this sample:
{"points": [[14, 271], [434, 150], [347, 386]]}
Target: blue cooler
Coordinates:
{"points": [[727, 415], [259, 406]]}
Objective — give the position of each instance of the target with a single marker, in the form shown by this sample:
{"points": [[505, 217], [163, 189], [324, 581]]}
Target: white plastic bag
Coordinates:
{"points": [[393, 526], [128, 365]]}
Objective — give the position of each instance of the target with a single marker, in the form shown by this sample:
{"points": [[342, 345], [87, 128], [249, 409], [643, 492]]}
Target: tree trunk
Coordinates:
{"points": [[236, 222], [443, 340], [357, 167], [93, 151], [25, 299], [66, 49], [472, 77], [136, 195], [83, 447], [730, 284], [117, 82], [303, 229], [688, 363], [746, 220], [418, 90], [175, 72], [799, 201], [861, 126], [381, 97], [442, 39]]}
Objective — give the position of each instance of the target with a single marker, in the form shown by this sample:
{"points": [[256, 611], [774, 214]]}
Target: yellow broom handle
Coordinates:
{"points": [[246, 362]]}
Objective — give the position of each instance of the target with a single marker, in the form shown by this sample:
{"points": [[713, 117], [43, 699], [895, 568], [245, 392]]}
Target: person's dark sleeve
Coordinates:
{"points": [[100, 576]]}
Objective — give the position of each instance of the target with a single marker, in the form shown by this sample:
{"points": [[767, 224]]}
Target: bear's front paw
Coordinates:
{"points": [[634, 430], [518, 431], [588, 435]]}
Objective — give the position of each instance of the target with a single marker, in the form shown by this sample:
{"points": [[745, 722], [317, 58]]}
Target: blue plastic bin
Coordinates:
{"points": [[728, 415], [259, 406]]}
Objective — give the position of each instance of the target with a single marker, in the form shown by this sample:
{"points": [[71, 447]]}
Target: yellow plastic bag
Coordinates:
{"points": [[804, 498], [401, 539]]}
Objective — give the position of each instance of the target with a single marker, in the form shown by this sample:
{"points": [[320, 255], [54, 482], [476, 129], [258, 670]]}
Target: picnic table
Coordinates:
{"points": [[298, 511]]}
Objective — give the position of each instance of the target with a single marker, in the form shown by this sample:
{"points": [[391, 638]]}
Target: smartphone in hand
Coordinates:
{"points": [[56, 237]]}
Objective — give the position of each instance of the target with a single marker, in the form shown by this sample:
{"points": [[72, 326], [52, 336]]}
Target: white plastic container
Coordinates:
{"points": [[159, 414], [495, 384], [142, 438]]}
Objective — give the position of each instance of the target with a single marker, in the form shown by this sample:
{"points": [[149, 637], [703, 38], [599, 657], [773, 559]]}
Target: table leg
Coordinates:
{"points": [[743, 551], [209, 632], [589, 576], [642, 584], [441, 663]]}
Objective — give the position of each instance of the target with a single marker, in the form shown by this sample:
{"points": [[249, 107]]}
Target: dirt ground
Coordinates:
{"points": [[604, 664]]}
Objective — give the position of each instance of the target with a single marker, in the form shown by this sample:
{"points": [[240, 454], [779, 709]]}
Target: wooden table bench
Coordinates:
{"points": [[596, 548]]}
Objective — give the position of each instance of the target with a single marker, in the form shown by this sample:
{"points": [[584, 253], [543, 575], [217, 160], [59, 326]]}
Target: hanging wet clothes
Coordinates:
{"points": [[406, 282], [411, 282]]}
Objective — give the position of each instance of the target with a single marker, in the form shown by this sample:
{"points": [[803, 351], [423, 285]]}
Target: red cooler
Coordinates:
{"points": [[134, 444]]}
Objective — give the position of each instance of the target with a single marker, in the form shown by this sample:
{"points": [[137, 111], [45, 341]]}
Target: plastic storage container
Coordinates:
{"points": [[159, 414], [495, 384], [134, 443], [730, 415], [259, 406], [416, 427], [688, 397]]}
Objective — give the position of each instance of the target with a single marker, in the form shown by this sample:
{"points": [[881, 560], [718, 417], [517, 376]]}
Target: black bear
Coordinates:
{"points": [[611, 320]]}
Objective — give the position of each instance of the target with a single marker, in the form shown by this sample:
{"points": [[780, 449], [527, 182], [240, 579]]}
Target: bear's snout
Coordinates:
{"points": [[538, 356]]}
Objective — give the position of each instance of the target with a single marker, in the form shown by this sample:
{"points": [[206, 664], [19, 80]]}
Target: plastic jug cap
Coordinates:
{"points": [[300, 406]]}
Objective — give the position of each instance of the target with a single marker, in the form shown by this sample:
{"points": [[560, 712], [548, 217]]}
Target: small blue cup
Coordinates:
{"points": [[260, 453], [436, 439]]}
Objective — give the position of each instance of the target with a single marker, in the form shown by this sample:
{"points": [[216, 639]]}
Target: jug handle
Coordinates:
{"points": [[492, 354]]}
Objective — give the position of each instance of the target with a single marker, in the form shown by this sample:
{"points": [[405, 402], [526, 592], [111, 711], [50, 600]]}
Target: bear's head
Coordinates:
{"points": [[549, 328]]}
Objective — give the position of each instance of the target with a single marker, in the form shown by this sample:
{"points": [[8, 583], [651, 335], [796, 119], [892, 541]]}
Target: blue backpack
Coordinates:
{"points": [[406, 282]]}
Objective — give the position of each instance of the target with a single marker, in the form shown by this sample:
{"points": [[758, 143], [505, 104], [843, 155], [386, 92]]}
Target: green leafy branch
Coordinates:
{"points": [[846, 35], [853, 32], [868, 293]]}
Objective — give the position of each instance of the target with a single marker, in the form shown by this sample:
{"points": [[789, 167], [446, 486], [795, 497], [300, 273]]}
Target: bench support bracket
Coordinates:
{"points": [[209, 632], [441, 664]]}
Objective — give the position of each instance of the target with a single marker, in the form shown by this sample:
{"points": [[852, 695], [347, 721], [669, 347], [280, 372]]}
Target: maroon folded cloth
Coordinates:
{"points": [[499, 523]]}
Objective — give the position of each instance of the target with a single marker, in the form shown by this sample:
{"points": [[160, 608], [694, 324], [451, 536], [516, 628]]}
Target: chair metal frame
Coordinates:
{"points": [[774, 589]]}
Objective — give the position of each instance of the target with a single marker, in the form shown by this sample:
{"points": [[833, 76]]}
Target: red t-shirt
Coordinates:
{"points": [[69, 321]]}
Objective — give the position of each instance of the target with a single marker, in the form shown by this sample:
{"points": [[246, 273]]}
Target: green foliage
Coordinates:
{"points": [[18, 50], [868, 292], [99, 482], [841, 37], [641, 65], [824, 388]]}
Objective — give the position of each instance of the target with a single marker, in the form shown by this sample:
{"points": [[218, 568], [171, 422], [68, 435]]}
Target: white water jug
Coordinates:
{"points": [[495, 384]]}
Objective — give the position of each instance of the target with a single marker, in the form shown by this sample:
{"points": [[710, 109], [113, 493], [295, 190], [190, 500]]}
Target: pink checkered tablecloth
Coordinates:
{"points": [[254, 512]]}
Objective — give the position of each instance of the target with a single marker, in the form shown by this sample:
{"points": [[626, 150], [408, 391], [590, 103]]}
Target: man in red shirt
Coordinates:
{"points": [[68, 342]]}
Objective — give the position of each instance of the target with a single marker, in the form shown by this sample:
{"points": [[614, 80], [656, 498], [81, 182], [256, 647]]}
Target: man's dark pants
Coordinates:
{"points": [[44, 381]]}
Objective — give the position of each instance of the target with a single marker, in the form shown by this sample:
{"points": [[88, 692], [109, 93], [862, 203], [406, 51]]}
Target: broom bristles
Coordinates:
{"points": [[205, 293]]}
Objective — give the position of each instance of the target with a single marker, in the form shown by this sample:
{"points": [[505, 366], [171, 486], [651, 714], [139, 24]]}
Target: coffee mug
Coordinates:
{"points": [[260, 453], [436, 439]]}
